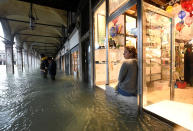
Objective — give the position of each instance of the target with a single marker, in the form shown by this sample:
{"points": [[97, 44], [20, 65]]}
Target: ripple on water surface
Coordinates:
{"points": [[30, 103]]}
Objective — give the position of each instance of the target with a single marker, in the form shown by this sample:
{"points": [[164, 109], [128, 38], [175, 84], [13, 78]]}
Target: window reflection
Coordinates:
{"points": [[100, 48]]}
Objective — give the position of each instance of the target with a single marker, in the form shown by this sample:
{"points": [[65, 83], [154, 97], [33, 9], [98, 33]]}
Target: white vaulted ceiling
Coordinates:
{"points": [[49, 29]]}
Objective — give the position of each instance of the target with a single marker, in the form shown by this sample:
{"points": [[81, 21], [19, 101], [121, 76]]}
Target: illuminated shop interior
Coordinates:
{"points": [[75, 65], [167, 35], [122, 32], [167, 54]]}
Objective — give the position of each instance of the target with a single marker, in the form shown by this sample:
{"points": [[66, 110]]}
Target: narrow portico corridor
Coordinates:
{"points": [[31, 103]]}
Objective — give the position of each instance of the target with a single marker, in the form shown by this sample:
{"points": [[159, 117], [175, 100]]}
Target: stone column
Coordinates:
{"points": [[9, 56], [26, 62], [38, 61], [29, 59], [34, 60], [19, 59]]}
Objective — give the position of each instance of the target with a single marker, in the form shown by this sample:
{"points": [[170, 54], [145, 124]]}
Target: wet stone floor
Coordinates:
{"points": [[30, 103]]}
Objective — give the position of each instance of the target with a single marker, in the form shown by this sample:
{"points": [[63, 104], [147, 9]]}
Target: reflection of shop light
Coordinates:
{"points": [[130, 11]]}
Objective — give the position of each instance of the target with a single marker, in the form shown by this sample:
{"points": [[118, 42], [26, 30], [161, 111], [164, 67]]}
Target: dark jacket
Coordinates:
{"points": [[52, 68]]}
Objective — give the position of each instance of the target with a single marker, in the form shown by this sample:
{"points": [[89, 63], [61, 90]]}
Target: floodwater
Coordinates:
{"points": [[31, 103]]}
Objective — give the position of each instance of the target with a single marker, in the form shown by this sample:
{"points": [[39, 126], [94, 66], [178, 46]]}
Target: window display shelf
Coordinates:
{"points": [[157, 46], [127, 35]]}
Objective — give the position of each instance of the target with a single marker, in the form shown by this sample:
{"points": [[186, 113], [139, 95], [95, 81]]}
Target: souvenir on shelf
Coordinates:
{"points": [[131, 31], [157, 45]]}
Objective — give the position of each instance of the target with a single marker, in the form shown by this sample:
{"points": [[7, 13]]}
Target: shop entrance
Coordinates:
{"points": [[122, 32], [167, 64], [67, 63], [63, 63], [74, 62], [183, 75]]}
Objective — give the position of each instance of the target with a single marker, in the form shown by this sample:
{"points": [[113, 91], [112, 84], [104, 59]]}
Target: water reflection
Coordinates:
{"points": [[30, 103]]}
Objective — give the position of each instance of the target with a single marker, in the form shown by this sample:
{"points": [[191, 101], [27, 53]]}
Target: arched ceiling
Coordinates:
{"points": [[71, 5], [48, 27]]}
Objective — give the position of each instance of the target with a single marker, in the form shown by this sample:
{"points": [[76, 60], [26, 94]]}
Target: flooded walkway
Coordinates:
{"points": [[30, 103]]}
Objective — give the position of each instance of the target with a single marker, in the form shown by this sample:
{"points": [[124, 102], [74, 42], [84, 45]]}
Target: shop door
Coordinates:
{"points": [[63, 64], [60, 63], [122, 33], [67, 64]]}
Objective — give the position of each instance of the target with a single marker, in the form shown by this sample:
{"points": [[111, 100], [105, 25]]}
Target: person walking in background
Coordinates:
{"points": [[44, 66], [127, 80], [52, 68]]}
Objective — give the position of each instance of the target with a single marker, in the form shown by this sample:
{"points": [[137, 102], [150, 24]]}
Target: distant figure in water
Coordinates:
{"points": [[127, 80], [44, 66], [52, 68]]}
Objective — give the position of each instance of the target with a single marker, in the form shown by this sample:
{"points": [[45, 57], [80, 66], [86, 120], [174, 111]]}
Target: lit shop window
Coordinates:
{"points": [[100, 45], [156, 55], [122, 32], [115, 4]]}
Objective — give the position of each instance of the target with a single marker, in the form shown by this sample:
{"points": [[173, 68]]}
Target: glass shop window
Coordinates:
{"points": [[115, 4], [122, 32], [156, 57], [100, 45]]}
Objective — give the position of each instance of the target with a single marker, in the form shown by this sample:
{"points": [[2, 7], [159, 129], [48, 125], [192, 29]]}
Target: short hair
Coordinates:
{"points": [[132, 50], [49, 58], [42, 55]]}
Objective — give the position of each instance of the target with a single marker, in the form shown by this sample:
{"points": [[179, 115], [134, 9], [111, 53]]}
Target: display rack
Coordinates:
{"points": [[157, 47]]}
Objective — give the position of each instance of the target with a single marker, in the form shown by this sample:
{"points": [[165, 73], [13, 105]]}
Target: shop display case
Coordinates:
{"points": [[157, 45], [131, 30]]}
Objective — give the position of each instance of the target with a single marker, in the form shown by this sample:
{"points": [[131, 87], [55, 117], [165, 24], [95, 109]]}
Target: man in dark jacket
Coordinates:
{"points": [[52, 68], [44, 66]]}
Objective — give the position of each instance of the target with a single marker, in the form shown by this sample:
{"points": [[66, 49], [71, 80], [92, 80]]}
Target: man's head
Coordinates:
{"points": [[49, 59], [42, 55]]}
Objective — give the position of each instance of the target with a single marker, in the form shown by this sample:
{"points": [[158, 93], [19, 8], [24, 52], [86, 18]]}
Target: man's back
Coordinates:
{"points": [[52, 67]]}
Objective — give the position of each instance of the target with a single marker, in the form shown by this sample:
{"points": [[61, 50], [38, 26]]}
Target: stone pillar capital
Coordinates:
{"points": [[8, 43]]}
